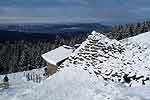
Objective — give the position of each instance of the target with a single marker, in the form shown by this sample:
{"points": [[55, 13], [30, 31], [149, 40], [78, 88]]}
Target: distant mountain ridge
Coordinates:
{"points": [[54, 28]]}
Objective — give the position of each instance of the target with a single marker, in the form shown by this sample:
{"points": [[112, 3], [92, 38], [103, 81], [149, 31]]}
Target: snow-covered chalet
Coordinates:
{"points": [[56, 57]]}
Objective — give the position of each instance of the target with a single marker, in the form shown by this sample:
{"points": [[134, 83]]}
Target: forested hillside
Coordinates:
{"points": [[25, 54], [21, 51], [128, 30]]}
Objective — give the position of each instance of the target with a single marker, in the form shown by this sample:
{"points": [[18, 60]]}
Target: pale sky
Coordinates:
{"points": [[58, 11]]}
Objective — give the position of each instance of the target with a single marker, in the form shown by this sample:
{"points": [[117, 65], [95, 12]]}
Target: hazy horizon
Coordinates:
{"points": [[74, 11]]}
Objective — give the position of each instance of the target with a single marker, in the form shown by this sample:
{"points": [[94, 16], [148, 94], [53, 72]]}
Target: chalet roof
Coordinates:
{"points": [[58, 54]]}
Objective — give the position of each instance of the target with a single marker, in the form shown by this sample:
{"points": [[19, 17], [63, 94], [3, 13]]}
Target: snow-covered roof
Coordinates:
{"points": [[58, 54]]}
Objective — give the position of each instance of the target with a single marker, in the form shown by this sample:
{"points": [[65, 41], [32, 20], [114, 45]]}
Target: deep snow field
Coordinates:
{"points": [[100, 69], [18, 84]]}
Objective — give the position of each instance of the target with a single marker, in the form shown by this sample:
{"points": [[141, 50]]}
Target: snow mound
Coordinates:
{"points": [[74, 83], [113, 60]]}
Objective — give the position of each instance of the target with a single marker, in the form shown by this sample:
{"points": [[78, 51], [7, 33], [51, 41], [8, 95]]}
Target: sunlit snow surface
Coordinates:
{"points": [[77, 84], [18, 85], [83, 76], [58, 54]]}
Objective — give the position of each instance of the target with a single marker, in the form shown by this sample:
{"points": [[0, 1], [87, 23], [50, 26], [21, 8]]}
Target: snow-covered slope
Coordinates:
{"points": [[114, 60], [74, 83], [138, 52], [144, 38], [100, 69], [18, 84]]}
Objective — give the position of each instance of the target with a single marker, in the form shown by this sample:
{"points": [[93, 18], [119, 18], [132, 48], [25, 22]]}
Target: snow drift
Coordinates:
{"points": [[119, 61], [77, 84]]}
